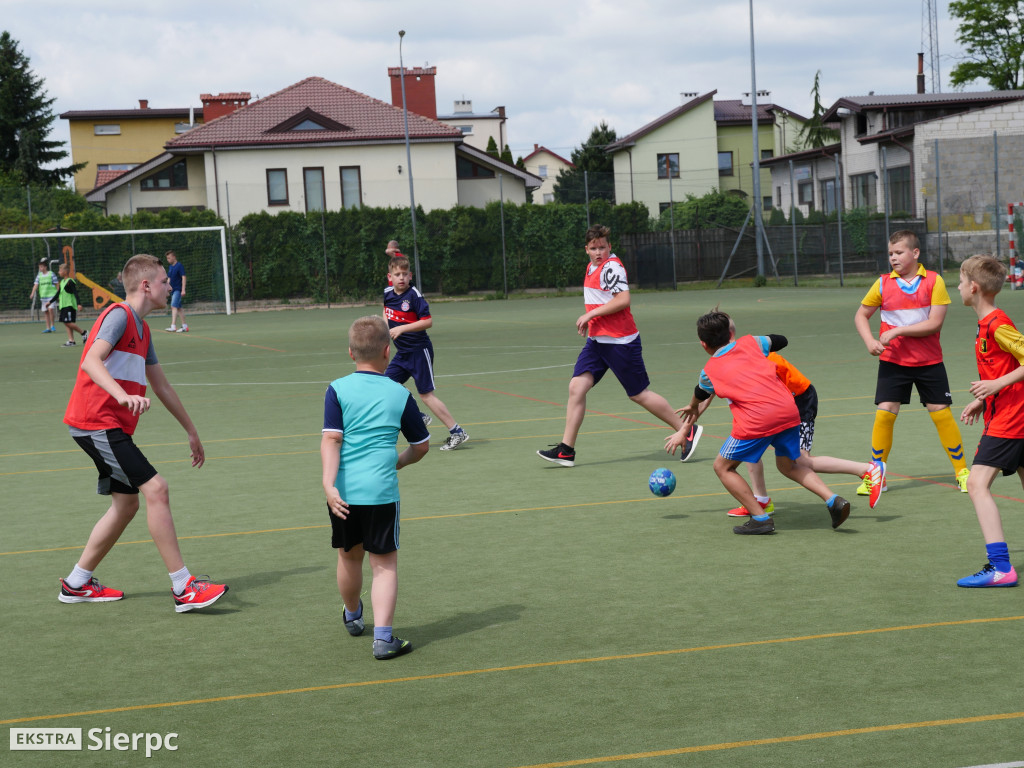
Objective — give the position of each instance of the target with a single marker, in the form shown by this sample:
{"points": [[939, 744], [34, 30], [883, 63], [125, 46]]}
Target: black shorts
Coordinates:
{"points": [[807, 405], [67, 315], [895, 382], [121, 465], [375, 526], [1005, 453]]}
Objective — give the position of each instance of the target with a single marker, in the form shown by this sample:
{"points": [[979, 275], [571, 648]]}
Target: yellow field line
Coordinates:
{"points": [[548, 664], [780, 740]]}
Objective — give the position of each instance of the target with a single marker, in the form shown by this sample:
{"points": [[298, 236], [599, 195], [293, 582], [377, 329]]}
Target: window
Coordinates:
{"points": [[767, 154], [662, 207], [171, 177], [467, 169], [549, 197], [766, 203], [828, 195], [115, 166], [778, 197], [106, 130], [668, 164], [542, 171], [863, 189], [725, 163], [277, 186], [862, 123], [313, 184], [899, 190], [805, 193], [351, 187], [466, 129]]}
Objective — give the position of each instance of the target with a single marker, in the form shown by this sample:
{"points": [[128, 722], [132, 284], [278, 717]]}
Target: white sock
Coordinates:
{"points": [[78, 577], [179, 580], [763, 499]]}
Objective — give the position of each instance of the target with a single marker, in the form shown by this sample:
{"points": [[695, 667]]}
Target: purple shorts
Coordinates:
{"points": [[626, 361]]}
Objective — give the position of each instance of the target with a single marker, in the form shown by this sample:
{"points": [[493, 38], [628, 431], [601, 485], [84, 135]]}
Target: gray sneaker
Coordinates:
{"points": [[355, 626], [454, 440], [427, 418], [755, 527], [384, 650]]}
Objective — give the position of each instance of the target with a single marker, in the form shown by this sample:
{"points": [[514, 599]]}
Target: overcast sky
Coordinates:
{"points": [[559, 67]]}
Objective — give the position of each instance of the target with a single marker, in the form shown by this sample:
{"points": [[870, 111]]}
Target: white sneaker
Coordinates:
{"points": [[183, 329], [172, 329], [454, 440]]}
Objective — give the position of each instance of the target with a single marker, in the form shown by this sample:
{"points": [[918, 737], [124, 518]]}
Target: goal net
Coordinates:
{"points": [[98, 257]]}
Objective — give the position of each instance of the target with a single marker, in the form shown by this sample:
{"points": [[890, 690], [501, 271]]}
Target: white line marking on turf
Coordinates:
{"points": [[324, 381], [998, 765]]}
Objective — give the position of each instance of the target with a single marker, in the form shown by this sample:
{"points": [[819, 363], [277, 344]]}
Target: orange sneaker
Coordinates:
{"points": [[768, 508], [198, 593], [90, 592]]}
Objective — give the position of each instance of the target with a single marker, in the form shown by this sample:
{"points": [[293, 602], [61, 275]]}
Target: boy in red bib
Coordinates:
{"points": [[105, 405], [999, 397], [613, 343], [764, 414]]}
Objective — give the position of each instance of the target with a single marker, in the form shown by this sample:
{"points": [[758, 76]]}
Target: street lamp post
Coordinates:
{"points": [[408, 163]]}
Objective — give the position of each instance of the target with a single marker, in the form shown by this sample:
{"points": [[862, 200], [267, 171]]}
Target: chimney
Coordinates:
{"points": [[222, 104], [920, 73], [143, 103], [463, 107], [686, 96], [419, 90]]}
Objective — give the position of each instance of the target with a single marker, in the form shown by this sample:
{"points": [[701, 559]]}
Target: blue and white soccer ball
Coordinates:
{"points": [[662, 482]]}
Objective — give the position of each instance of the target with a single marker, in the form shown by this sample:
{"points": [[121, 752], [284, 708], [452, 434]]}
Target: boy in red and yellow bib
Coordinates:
{"points": [[913, 301]]}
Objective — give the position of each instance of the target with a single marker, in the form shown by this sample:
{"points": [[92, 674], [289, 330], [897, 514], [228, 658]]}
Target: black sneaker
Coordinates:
{"points": [[355, 626], [559, 454], [68, 344], [839, 509], [390, 649], [755, 527], [696, 430]]}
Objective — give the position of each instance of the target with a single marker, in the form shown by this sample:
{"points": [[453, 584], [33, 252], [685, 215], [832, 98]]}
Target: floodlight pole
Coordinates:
{"points": [[758, 223], [408, 163]]}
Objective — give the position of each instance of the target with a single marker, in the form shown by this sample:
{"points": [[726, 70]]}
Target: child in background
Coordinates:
{"points": [[46, 286], [999, 398], [67, 305]]}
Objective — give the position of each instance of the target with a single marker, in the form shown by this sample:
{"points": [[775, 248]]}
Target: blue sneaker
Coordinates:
{"points": [[990, 577]]}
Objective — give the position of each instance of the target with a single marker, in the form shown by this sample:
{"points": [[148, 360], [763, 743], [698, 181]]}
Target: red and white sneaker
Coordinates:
{"points": [[768, 508], [198, 593], [90, 592]]}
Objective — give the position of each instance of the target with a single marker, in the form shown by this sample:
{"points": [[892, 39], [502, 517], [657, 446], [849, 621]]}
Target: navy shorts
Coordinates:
{"points": [[1005, 453], [375, 526], [67, 315], [176, 299], [626, 361], [417, 364], [121, 465], [896, 381]]}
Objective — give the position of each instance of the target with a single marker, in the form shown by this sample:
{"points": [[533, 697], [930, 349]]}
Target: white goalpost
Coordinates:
{"points": [[98, 256]]}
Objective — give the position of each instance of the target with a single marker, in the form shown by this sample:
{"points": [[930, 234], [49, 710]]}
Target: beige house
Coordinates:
{"points": [[545, 164], [700, 146], [311, 146]]}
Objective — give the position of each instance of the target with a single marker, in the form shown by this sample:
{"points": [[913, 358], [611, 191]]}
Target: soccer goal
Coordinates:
{"points": [[98, 257], [1013, 219]]}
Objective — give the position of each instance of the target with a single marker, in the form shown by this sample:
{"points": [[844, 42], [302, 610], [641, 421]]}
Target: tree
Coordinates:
{"points": [[25, 120], [492, 148], [990, 32], [506, 156], [815, 134], [572, 187]]}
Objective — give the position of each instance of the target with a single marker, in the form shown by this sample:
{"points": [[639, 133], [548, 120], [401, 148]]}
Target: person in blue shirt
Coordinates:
{"points": [[408, 316], [363, 414], [176, 274]]}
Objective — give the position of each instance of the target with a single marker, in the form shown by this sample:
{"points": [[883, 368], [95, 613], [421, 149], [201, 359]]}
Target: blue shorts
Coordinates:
{"points": [[418, 364], [786, 443], [626, 361], [176, 299]]}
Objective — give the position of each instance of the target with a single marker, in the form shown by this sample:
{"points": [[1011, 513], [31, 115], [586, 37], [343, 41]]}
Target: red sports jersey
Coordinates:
{"points": [[999, 350], [900, 309], [761, 404], [90, 407], [600, 285]]}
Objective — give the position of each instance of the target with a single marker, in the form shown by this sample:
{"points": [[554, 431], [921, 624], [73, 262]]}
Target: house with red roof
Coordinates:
{"points": [[312, 146], [544, 163], [701, 145]]}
